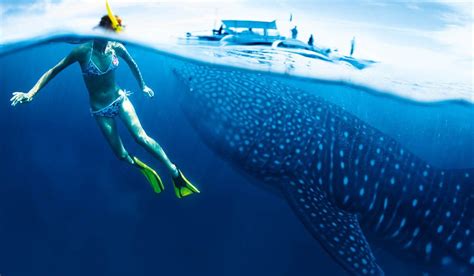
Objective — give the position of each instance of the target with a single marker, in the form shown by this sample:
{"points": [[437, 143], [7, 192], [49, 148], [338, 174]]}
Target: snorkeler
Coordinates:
{"points": [[98, 60]]}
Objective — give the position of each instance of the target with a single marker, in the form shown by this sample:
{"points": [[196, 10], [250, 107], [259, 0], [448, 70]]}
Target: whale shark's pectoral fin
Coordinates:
{"points": [[337, 231]]}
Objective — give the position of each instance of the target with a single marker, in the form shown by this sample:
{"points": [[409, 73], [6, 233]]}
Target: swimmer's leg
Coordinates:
{"points": [[109, 129], [128, 115], [131, 121]]}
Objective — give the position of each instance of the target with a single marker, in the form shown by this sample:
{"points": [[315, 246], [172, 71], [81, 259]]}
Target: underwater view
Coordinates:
{"points": [[236, 138]]}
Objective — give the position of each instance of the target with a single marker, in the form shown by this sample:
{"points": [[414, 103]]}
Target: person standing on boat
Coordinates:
{"points": [[294, 32], [98, 60], [311, 40]]}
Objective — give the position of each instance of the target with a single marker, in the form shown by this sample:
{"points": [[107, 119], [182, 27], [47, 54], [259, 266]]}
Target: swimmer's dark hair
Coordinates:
{"points": [[106, 23]]}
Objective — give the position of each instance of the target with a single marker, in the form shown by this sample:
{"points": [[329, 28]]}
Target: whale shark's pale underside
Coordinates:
{"points": [[344, 179]]}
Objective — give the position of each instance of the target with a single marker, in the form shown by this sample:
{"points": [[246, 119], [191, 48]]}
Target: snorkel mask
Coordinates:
{"points": [[116, 23]]}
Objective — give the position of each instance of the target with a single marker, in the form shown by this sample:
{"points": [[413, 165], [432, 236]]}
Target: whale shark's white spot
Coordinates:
{"points": [[408, 244], [371, 206], [427, 212], [385, 203], [458, 245], [346, 199], [414, 202], [377, 150], [397, 166], [420, 188], [446, 260], [392, 181], [345, 181], [416, 231], [361, 192], [372, 162], [342, 165], [425, 173], [341, 153], [318, 166], [428, 248], [379, 222], [448, 214], [361, 147]]}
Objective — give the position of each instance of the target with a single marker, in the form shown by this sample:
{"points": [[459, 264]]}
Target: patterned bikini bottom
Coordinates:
{"points": [[113, 108]]}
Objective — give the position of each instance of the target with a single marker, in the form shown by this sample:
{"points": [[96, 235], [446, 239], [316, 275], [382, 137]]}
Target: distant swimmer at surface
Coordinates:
{"points": [[98, 60]]}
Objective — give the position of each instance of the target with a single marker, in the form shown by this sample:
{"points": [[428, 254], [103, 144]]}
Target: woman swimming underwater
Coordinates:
{"points": [[98, 60]]}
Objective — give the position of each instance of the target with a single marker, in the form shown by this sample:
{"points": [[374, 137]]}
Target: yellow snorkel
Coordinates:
{"points": [[115, 24]]}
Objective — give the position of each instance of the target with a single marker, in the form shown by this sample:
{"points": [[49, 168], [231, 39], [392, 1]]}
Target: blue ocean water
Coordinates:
{"points": [[68, 207]]}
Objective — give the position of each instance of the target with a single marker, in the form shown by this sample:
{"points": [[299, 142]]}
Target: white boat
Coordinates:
{"points": [[248, 32]]}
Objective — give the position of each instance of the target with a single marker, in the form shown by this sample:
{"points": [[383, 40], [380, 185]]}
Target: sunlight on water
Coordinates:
{"points": [[406, 72]]}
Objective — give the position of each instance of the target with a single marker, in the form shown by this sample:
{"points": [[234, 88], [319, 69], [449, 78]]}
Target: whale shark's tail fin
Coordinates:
{"points": [[337, 231]]}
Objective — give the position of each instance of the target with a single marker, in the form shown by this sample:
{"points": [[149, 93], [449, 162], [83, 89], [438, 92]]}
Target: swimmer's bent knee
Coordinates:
{"points": [[142, 139]]}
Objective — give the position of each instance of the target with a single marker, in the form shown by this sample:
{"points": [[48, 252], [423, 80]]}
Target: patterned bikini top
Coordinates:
{"points": [[91, 69]]}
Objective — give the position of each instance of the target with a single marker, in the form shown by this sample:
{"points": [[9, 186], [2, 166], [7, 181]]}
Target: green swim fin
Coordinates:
{"points": [[151, 175], [182, 186]]}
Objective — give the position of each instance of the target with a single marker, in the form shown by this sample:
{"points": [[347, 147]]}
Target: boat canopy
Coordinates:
{"points": [[250, 24]]}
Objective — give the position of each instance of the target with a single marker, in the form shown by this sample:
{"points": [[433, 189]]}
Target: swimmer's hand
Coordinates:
{"points": [[20, 97], [147, 90]]}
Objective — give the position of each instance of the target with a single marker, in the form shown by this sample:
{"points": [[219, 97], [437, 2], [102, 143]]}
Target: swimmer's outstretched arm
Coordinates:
{"points": [[21, 97], [123, 53]]}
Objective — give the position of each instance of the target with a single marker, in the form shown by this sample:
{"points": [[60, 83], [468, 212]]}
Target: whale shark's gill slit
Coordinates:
{"points": [[336, 230]]}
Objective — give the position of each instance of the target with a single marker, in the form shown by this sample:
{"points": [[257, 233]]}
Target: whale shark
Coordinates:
{"points": [[351, 185]]}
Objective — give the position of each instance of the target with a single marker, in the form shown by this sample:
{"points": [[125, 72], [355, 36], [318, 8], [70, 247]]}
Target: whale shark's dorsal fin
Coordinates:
{"points": [[337, 231]]}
